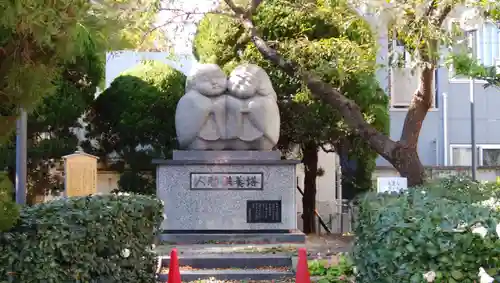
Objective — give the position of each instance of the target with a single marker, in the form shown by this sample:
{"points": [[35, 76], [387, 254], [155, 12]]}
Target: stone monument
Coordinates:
{"points": [[80, 174], [226, 179]]}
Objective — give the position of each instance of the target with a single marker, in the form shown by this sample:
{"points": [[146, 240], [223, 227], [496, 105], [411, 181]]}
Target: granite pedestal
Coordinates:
{"points": [[227, 192]]}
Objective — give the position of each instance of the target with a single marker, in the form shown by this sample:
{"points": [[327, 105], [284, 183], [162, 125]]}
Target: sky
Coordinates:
{"points": [[180, 33]]}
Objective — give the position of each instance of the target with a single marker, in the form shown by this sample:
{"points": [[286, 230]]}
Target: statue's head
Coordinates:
{"points": [[207, 79], [248, 80]]}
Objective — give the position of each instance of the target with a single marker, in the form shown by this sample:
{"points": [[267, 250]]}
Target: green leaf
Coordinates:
{"points": [[410, 248], [457, 274]]}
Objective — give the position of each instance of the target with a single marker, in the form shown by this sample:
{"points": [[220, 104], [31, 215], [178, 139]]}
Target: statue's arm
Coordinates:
{"points": [[265, 116], [190, 116]]}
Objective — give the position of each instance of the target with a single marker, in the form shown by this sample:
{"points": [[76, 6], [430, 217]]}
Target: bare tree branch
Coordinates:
{"points": [[152, 30], [253, 6], [431, 8], [235, 8], [187, 17], [439, 20]]}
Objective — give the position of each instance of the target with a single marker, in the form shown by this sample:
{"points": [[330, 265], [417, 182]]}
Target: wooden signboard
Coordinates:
{"points": [[80, 174]]}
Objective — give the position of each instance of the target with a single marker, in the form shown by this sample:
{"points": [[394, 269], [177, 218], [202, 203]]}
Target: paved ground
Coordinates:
{"points": [[328, 244]]}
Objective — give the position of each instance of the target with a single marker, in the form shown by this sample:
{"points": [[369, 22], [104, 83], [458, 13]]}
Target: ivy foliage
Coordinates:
{"points": [[54, 122], [328, 38], [436, 228], [464, 65], [38, 38], [83, 239], [133, 121], [338, 268]]}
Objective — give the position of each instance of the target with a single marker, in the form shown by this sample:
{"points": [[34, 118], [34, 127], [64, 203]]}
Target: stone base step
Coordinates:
{"points": [[241, 261], [236, 238], [230, 274]]}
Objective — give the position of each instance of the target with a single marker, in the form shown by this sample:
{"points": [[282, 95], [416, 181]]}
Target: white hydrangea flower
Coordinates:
{"points": [[461, 227], [498, 230], [480, 230], [125, 253], [430, 276], [153, 246], [491, 203], [484, 277], [355, 270]]}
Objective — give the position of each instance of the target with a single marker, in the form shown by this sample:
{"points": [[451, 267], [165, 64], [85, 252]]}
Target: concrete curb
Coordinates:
{"points": [[271, 238], [231, 261], [248, 274]]}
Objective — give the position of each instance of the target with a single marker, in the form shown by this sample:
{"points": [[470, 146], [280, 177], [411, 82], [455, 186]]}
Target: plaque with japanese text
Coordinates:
{"points": [[263, 211], [80, 173], [226, 181]]}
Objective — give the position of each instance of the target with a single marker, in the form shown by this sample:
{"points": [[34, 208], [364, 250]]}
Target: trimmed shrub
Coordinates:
{"points": [[101, 239], [9, 210], [428, 230]]}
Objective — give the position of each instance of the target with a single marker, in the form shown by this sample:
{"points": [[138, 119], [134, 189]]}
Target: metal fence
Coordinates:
{"points": [[337, 215]]}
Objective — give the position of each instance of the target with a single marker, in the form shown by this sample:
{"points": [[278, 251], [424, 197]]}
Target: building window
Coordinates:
{"points": [[404, 83], [487, 155], [461, 155], [487, 47], [491, 156], [404, 80]]}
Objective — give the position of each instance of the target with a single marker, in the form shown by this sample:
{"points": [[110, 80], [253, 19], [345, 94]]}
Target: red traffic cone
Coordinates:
{"points": [[174, 275], [302, 274]]}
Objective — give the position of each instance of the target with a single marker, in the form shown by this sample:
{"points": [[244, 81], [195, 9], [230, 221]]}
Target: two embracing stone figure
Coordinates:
{"points": [[221, 113]]}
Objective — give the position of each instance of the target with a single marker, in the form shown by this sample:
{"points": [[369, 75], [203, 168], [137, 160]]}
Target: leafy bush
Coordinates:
{"points": [[462, 188], [85, 239], [336, 269], [9, 211], [137, 109], [399, 238]]}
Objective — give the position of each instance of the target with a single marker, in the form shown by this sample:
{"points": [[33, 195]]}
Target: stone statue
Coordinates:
{"points": [[239, 113], [252, 109], [201, 112]]}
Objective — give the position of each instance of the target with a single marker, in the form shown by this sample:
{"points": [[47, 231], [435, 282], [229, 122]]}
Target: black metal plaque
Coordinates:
{"points": [[263, 211]]}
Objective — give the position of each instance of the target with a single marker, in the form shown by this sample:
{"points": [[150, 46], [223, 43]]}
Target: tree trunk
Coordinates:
{"points": [[310, 161], [419, 106], [402, 155], [348, 168], [409, 164], [403, 158]]}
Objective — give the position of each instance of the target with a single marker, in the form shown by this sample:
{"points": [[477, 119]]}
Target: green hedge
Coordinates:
{"points": [[85, 239], [399, 238], [9, 211]]}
